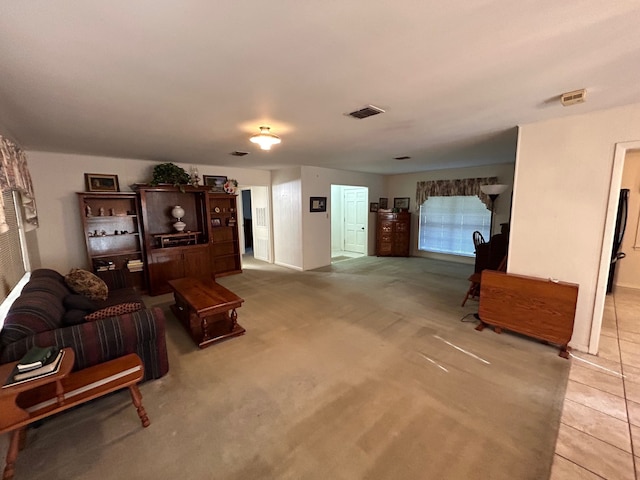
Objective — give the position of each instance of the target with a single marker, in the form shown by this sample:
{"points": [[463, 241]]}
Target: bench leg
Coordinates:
{"points": [[12, 454], [136, 398]]}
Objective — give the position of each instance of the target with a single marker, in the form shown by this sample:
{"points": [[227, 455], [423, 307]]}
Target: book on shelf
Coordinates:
{"points": [[36, 357], [48, 369]]}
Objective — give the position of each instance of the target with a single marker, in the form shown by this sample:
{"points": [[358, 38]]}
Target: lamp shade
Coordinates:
{"points": [[265, 139], [496, 189]]}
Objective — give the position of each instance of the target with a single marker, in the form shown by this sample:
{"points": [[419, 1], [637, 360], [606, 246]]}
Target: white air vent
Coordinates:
{"points": [[571, 98], [365, 112], [237, 153]]}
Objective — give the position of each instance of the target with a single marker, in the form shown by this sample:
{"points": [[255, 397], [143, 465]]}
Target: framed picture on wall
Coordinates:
{"points": [[215, 182], [401, 202], [383, 203], [373, 207], [318, 204], [100, 182]]}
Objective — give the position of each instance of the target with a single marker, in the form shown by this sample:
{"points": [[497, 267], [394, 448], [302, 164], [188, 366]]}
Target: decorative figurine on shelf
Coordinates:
{"points": [[178, 212], [87, 210], [112, 211], [231, 186], [194, 177], [101, 211]]}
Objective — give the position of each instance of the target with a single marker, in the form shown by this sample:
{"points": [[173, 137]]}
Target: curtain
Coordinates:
{"points": [[14, 175], [464, 187]]}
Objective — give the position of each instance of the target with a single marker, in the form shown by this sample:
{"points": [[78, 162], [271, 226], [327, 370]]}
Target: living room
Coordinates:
{"points": [[79, 103]]}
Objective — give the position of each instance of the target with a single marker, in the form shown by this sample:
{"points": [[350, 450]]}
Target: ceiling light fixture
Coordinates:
{"points": [[265, 139]]}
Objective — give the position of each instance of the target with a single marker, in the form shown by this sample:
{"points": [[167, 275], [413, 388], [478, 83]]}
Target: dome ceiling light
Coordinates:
{"points": [[265, 139]]}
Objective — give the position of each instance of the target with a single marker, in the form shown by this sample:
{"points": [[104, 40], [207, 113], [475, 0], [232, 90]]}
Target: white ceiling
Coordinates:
{"points": [[190, 81]]}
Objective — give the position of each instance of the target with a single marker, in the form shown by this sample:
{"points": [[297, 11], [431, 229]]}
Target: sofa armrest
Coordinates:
{"points": [[141, 332]]}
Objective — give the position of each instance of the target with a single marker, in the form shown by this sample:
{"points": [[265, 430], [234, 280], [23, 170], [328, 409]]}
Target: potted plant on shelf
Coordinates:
{"points": [[170, 173]]}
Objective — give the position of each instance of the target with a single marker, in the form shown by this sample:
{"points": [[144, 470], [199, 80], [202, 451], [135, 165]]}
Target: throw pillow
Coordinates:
{"points": [[74, 301], [114, 311], [87, 284], [73, 317]]}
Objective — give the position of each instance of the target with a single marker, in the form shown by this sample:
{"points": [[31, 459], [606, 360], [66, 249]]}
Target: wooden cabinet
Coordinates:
{"points": [[225, 245], [393, 231], [170, 253], [177, 262], [112, 232]]}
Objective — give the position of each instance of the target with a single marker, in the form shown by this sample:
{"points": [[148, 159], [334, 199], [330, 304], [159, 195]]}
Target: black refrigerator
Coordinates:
{"points": [[618, 235]]}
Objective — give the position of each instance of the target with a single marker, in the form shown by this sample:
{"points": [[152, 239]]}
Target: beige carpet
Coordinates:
{"points": [[360, 370]]}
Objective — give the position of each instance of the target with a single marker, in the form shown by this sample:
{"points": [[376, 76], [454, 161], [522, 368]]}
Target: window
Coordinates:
{"points": [[447, 224], [14, 247]]}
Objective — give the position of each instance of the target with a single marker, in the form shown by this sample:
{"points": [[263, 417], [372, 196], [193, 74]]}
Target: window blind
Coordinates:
{"points": [[447, 224], [12, 265]]}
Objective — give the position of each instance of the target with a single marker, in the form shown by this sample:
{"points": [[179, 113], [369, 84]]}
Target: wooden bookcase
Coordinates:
{"points": [[393, 233], [225, 244], [111, 225]]}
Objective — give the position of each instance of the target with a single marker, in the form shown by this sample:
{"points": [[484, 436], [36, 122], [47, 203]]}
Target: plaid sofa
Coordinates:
{"points": [[35, 319]]}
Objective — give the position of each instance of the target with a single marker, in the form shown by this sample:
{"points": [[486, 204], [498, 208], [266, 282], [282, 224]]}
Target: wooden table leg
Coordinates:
{"points": [[136, 398], [233, 315], [12, 454]]}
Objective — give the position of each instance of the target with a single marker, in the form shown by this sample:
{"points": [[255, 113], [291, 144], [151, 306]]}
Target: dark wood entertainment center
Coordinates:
{"points": [[134, 232], [207, 248]]}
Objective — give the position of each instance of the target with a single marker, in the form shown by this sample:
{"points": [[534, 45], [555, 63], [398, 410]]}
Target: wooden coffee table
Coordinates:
{"points": [[24, 403], [206, 309]]}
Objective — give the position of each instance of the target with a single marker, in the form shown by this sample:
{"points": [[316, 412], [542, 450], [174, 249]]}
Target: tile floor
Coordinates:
{"points": [[599, 433]]}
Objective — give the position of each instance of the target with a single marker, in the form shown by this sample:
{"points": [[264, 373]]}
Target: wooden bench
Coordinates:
{"points": [[25, 403]]}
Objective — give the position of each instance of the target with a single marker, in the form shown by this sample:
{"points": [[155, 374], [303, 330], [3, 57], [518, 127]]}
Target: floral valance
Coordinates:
{"points": [[14, 175], [464, 187]]}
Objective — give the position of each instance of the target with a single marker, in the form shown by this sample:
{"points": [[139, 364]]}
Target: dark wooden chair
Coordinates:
{"points": [[474, 278]]}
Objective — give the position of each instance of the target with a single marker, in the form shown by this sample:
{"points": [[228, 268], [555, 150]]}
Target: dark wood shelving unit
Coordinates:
{"points": [[102, 215], [225, 244]]}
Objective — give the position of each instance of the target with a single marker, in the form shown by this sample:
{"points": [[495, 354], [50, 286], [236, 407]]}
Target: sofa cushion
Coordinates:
{"points": [[32, 312], [75, 301], [114, 310], [87, 284], [73, 317]]}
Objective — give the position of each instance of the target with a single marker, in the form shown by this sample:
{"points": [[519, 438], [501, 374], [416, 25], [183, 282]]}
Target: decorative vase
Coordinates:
{"points": [[178, 212]]}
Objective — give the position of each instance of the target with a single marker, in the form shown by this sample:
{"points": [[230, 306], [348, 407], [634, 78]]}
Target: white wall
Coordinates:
{"points": [[405, 186], [561, 202], [316, 182], [287, 217], [628, 270], [57, 177]]}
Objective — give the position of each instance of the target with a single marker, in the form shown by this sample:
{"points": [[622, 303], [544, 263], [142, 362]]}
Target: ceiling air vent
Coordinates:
{"points": [[237, 153], [403, 157], [571, 98], [365, 112]]}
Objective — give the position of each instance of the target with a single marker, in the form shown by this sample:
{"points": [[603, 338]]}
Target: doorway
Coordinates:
{"points": [[622, 150], [349, 222], [255, 230]]}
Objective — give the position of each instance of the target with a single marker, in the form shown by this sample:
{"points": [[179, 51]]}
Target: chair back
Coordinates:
{"points": [[477, 239]]}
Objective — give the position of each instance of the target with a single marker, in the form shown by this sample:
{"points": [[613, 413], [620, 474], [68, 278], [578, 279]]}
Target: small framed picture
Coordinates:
{"points": [[401, 202], [373, 207], [100, 182], [216, 222], [215, 182], [383, 203], [318, 204]]}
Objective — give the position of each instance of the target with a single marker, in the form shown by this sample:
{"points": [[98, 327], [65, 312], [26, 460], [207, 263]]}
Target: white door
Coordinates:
{"points": [[261, 223], [355, 217]]}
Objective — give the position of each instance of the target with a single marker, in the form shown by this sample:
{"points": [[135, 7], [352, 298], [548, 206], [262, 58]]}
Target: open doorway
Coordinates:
{"points": [[349, 222], [255, 230]]}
